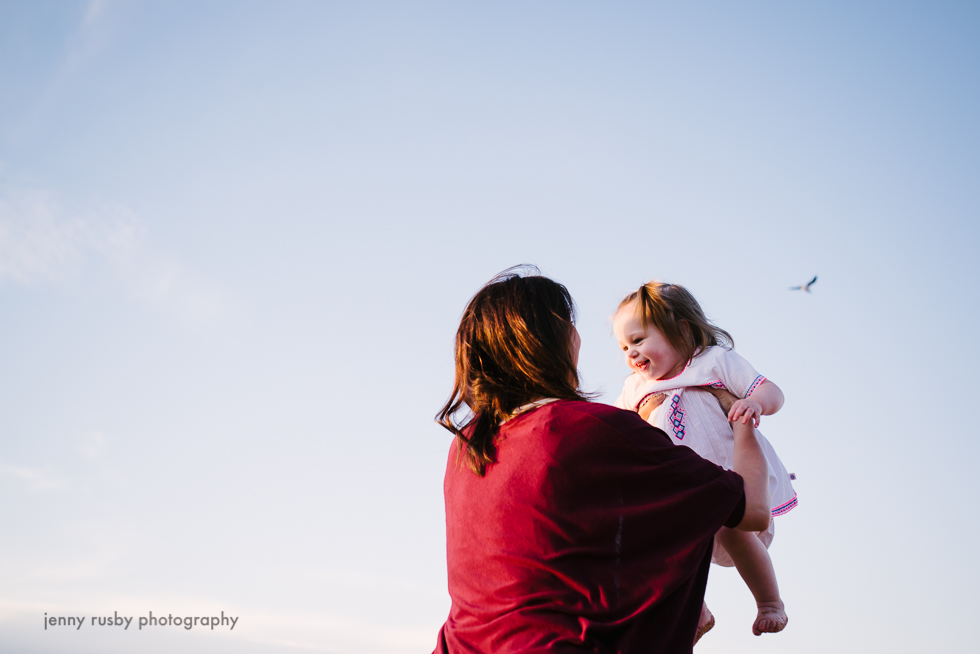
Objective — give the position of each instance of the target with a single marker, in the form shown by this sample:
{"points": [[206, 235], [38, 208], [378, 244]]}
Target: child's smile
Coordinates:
{"points": [[647, 350]]}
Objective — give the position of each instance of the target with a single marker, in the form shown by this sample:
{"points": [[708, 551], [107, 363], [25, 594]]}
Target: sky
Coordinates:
{"points": [[236, 239]]}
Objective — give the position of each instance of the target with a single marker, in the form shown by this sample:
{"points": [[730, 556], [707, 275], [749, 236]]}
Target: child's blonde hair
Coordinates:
{"points": [[666, 307]]}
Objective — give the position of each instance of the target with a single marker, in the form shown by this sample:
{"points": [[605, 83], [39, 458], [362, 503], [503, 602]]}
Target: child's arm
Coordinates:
{"points": [[765, 401]]}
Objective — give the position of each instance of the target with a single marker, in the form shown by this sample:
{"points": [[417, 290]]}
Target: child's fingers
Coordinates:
{"points": [[735, 411]]}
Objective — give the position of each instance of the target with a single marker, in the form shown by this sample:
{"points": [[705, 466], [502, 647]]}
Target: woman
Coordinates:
{"points": [[572, 526]]}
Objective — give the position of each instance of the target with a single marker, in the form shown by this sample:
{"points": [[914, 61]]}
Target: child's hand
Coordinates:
{"points": [[747, 409]]}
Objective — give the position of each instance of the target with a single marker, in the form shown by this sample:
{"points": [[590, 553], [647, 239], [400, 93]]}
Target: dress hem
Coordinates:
{"points": [[786, 507]]}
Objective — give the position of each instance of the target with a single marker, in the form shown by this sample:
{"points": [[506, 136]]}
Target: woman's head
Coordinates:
{"points": [[676, 317], [516, 343]]}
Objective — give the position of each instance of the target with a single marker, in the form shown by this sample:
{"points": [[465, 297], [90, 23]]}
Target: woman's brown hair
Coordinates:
{"points": [[513, 346], [667, 307]]}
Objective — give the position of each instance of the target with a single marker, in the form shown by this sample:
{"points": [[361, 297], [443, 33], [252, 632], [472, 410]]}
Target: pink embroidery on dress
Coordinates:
{"points": [[785, 508], [755, 385], [676, 417]]}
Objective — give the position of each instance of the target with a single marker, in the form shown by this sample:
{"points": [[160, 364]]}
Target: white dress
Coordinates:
{"points": [[695, 419]]}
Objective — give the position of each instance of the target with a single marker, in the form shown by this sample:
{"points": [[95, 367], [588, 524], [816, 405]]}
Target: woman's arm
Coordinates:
{"points": [[750, 463]]}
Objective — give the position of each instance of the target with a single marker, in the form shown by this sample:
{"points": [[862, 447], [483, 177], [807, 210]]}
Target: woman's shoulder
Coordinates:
{"points": [[561, 414], [592, 431], [600, 419]]}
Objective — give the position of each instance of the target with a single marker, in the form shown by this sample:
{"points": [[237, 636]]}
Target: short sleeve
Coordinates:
{"points": [[677, 486], [737, 514], [737, 374]]}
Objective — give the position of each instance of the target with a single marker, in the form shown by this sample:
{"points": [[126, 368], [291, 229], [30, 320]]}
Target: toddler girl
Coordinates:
{"points": [[671, 347]]}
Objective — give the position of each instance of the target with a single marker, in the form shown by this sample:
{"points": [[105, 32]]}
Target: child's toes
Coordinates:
{"points": [[770, 620], [706, 622]]}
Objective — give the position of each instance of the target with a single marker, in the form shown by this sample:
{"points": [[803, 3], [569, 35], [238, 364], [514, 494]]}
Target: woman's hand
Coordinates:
{"points": [[747, 409], [725, 399], [649, 403]]}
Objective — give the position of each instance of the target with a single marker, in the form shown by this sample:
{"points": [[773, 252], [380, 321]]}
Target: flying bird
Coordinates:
{"points": [[804, 287]]}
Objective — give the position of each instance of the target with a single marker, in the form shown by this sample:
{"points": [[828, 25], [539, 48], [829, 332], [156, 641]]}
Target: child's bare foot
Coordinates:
{"points": [[705, 624], [771, 619]]}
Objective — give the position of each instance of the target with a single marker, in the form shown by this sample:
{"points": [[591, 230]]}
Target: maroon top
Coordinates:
{"points": [[591, 533]]}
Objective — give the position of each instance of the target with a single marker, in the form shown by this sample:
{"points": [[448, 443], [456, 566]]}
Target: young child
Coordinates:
{"points": [[671, 347]]}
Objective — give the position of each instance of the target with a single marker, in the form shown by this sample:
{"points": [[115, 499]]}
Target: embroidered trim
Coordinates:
{"points": [[686, 366], [676, 417], [785, 508], [717, 384], [755, 385]]}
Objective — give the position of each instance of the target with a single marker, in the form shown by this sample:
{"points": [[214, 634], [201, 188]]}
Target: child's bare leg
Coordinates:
{"points": [[705, 623], [753, 563]]}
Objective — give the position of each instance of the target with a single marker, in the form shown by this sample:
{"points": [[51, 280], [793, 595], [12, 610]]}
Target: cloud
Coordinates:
{"points": [[45, 240], [80, 49], [42, 241], [93, 12], [165, 284], [34, 479], [92, 444]]}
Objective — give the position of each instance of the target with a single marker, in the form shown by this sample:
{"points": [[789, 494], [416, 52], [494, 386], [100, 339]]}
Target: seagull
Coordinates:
{"points": [[804, 287]]}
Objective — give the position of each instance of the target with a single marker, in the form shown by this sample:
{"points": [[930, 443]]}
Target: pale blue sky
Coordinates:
{"points": [[235, 241]]}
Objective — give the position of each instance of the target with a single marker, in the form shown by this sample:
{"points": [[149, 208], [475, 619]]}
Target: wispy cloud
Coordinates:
{"points": [[32, 478], [41, 240], [92, 444], [81, 47], [44, 239], [89, 37], [193, 301]]}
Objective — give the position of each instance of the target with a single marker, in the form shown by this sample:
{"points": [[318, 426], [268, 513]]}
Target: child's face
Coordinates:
{"points": [[648, 351]]}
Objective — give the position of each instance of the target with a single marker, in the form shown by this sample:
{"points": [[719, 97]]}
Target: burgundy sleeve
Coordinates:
{"points": [[737, 514], [715, 497]]}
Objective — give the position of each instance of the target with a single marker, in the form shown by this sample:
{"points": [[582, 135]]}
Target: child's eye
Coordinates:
{"points": [[636, 341]]}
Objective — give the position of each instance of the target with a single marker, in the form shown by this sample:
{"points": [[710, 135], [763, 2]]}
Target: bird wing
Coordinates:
{"points": [[812, 281]]}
